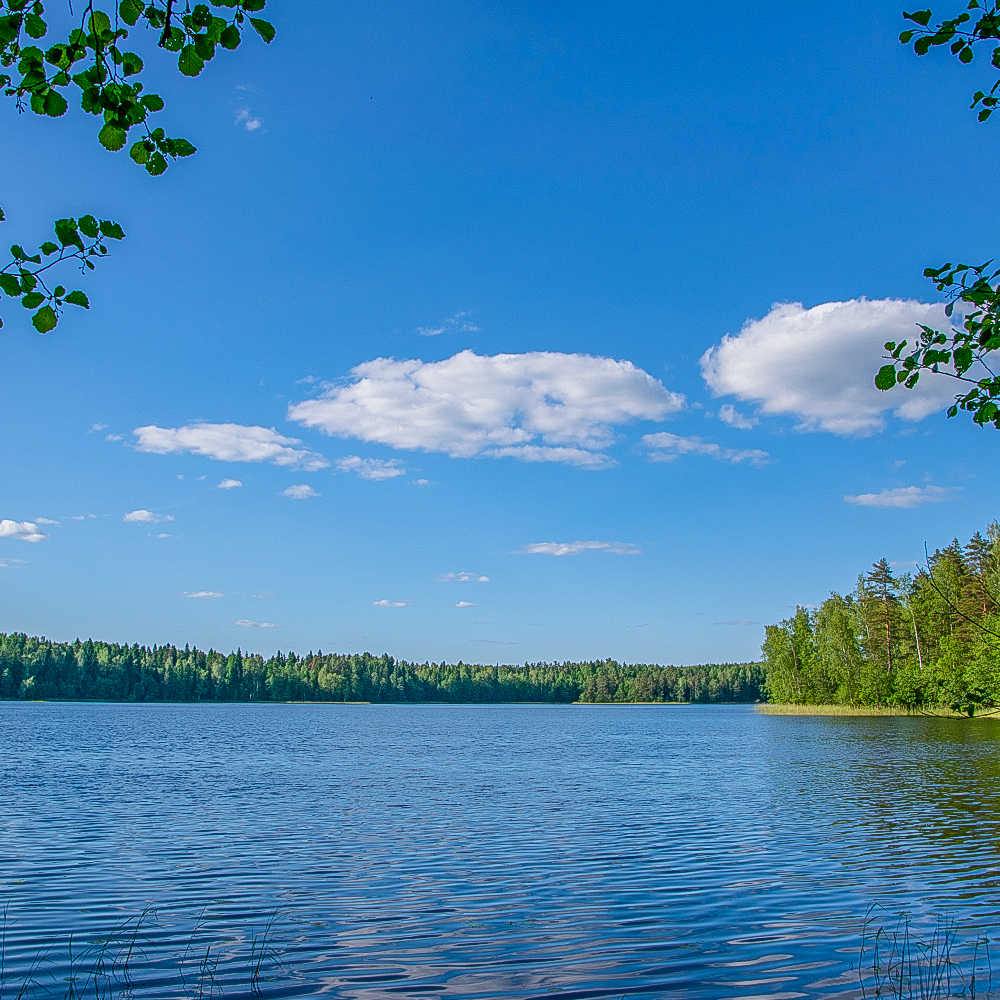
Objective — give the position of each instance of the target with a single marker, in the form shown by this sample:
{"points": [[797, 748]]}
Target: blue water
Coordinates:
{"points": [[476, 851]]}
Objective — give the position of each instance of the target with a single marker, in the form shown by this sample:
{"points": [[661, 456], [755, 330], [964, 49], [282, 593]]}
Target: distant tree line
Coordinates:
{"points": [[35, 668], [924, 640]]}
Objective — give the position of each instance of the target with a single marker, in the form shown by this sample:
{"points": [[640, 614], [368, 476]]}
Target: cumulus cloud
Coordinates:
{"points": [[300, 491], [666, 447], [375, 469], [147, 517], [389, 604], [462, 578], [540, 406], [229, 484], [818, 365], [459, 323], [904, 496], [728, 414], [204, 593], [26, 531], [245, 623], [575, 548], [229, 443]]}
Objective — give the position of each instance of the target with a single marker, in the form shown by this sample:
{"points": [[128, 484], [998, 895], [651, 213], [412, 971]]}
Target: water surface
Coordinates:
{"points": [[478, 852]]}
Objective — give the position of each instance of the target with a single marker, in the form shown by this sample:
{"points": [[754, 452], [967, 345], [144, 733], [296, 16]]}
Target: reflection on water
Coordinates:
{"points": [[471, 851]]}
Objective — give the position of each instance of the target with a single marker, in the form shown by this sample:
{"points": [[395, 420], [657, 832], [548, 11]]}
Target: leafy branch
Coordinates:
{"points": [[959, 354], [961, 33], [965, 352], [92, 58], [22, 277]]}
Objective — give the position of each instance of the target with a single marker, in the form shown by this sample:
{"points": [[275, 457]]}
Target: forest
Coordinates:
{"points": [[923, 640], [35, 668]]}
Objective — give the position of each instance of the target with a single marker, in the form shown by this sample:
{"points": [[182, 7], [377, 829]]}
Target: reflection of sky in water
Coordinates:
{"points": [[486, 852]]}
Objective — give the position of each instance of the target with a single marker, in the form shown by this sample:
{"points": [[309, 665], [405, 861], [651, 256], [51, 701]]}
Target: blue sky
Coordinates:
{"points": [[540, 219]]}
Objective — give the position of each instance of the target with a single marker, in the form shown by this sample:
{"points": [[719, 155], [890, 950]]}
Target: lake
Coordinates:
{"points": [[476, 851]]}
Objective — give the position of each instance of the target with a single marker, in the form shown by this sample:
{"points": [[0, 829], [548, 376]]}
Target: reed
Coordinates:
{"points": [[896, 964]]}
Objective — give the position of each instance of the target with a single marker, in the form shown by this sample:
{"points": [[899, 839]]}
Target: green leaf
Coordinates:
{"points": [[180, 147], [112, 138], [55, 104], [965, 56], [151, 102], [189, 62], [44, 320], [922, 46], [99, 22], [905, 36], [130, 11], [230, 37], [88, 226], [921, 17], [35, 26], [886, 377], [77, 298], [48, 248], [58, 290], [10, 285], [66, 233], [112, 230], [32, 299], [131, 64], [263, 28], [138, 152], [157, 164], [204, 46]]}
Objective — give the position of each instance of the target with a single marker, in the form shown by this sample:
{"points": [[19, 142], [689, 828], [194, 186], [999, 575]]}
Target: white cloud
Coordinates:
{"points": [[229, 443], [301, 491], [575, 548], [244, 623], [147, 517], [421, 482], [112, 437], [45, 520], [819, 364], [26, 531], [728, 414], [666, 447], [163, 534], [535, 407], [904, 496], [375, 469], [389, 604], [248, 121], [229, 484], [97, 427], [464, 604], [455, 324], [462, 578], [203, 593]]}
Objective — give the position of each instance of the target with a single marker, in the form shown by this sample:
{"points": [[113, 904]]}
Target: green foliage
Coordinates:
{"points": [[964, 353], [37, 668], [926, 641], [80, 240], [92, 61]]}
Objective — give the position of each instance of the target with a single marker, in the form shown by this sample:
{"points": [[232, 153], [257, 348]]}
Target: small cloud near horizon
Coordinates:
{"points": [[455, 324], [144, 516], [300, 491], [246, 623], [390, 604], [905, 497], [462, 578], [229, 484], [203, 594], [575, 548], [26, 531]]}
